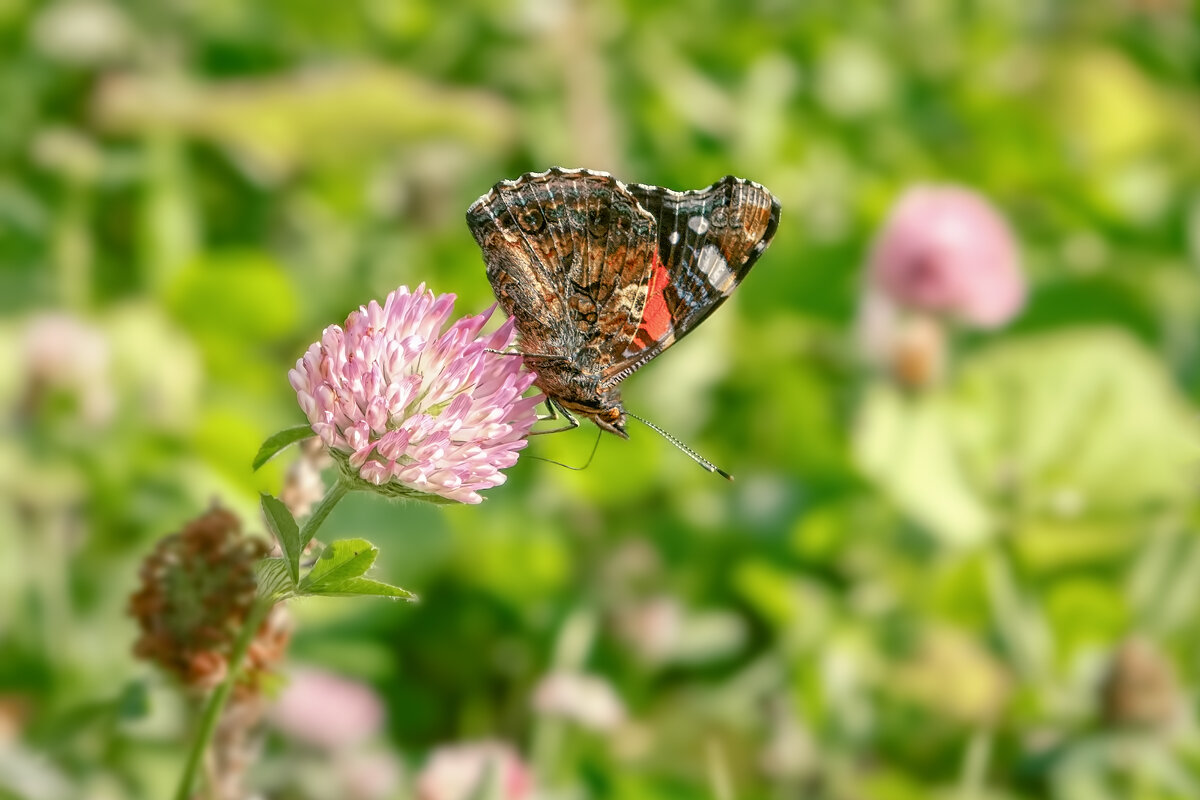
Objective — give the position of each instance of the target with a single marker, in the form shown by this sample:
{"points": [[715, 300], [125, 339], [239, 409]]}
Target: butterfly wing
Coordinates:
{"points": [[707, 241], [568, 255]]}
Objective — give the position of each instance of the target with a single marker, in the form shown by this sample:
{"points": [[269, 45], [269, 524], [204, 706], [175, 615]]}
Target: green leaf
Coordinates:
{"points": [[1073, 430], [371, 588], [340, 561], [278, 441], [284, 528], [274, 579], [339, 570], [134, 701], [907, 445]]}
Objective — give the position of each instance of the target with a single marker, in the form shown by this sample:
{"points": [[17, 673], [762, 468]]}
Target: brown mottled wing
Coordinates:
{"points": [[708, 239], [568, 255]]}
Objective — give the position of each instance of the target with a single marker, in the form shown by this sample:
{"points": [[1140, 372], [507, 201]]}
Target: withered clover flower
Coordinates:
{"points": [[197, 589], [411, 411]]}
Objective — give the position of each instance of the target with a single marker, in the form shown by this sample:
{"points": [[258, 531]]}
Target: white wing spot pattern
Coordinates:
{"points": [[715, 270]]}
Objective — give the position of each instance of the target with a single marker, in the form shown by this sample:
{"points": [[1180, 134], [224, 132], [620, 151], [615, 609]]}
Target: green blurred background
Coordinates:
{"points": [[989, 588]]}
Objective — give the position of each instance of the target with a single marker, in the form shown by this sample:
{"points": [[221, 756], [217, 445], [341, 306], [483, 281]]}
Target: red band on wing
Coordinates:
{"points": [[656, 317]]}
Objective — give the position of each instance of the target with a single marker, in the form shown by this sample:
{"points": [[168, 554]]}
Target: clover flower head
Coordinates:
{"points": [[197, 587], [947, 250], [68, 358], [410, 410]]}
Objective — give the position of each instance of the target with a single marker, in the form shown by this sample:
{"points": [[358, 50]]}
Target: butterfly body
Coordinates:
{"points": [[600, 277]]}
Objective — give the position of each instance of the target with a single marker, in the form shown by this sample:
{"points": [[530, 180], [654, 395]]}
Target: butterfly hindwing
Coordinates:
{"points": [[707, 241]]}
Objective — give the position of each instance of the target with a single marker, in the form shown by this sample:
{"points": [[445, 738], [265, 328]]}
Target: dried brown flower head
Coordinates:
{"points": [[1140, 689], [197, 587]]}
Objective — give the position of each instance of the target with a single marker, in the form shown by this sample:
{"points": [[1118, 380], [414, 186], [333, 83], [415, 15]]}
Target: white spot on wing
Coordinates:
{"points": [[698, 224], [674, 237], [715, 270]]}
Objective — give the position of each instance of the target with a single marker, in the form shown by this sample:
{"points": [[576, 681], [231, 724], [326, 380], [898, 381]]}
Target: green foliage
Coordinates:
{"points": [[337, 573], [1083, 427], [279, 441], [340, 569], [285, 530]]}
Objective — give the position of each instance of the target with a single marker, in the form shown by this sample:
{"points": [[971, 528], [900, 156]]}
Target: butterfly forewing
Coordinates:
{"points": [[567, 254], [528, 287]]}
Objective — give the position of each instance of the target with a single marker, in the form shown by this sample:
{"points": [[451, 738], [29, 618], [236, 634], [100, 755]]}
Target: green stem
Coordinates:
{"points": [[216, 703], [718, 770], [1021, 629], [973, 781], [318, 515], [574, 642], [73, 246]]}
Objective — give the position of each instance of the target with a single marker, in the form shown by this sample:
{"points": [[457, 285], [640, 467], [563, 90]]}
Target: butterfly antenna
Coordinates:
{"points": [[699, 459], [586, 464]]}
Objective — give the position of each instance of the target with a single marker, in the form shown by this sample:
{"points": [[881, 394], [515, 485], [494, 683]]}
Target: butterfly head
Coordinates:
{"points": [[610, 419], [580, 395]]}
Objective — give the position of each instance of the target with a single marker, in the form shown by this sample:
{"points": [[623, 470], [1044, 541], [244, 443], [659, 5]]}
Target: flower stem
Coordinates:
{"points": [[318, 515], [216, 702], [972, 783]]}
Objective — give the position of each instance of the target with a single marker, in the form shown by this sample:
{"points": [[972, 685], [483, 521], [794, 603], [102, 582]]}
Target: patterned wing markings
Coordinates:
{"points": [[508, 230], [708, 240], [568, 253], [601, 277]]}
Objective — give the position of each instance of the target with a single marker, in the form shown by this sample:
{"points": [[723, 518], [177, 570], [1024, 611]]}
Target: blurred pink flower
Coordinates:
{"points": [[475, 769], [327, 711], [369, 775], [584, 699], [64, 354], [412, 411], [946, 250], [652, 628]]}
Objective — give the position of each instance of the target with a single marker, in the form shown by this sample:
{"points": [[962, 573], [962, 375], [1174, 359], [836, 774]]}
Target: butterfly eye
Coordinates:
{"points": [[530, 220]]}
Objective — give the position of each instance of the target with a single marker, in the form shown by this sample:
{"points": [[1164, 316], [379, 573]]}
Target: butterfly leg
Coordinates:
{"points": [[525, 355], [554, 408]]}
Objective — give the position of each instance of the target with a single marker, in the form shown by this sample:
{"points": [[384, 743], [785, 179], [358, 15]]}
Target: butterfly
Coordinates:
{"points": [[601, 276]]}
